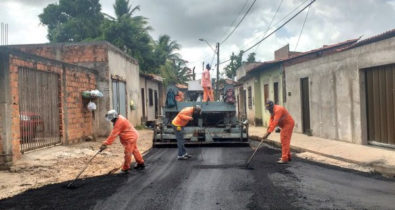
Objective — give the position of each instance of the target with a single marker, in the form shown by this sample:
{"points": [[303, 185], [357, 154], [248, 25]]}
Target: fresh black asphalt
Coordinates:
{"points": [[216, 179]]}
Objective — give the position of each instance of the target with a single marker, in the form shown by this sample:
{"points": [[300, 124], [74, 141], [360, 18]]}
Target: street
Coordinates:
{"points": [[215, 179]]}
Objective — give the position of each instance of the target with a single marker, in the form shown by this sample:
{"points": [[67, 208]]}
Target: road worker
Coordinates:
{"points": [[178, 123], [280, 117], [128, 137], [206, 85]]}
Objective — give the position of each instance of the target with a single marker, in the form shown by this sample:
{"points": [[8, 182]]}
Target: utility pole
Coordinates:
{"points": [[217, 85]]}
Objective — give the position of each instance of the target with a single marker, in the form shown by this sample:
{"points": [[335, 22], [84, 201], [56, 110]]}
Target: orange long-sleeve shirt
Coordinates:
{"points": [[206, 79], [124, 129], [183, 117], [281, 117]]}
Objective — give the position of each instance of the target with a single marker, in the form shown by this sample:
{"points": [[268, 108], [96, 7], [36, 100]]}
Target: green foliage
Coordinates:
{"points": [[72, 20], [175, 72], [251, 57], [235, 63], [82, 20]]}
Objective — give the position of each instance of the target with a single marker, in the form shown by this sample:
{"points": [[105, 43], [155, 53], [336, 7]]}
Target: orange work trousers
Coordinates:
{"points": [[285, 135], [131, 149], [208, 93]]}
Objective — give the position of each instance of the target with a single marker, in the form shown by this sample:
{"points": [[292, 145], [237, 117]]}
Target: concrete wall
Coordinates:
{"points": [[5, 112], [250, 110], [147, 84], [337, 101], [121, 67], [270, 76]]}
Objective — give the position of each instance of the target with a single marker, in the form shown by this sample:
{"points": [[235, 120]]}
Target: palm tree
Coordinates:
{"points": [[165, 49]]}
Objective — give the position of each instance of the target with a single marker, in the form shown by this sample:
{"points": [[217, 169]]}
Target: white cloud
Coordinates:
{"points": [[185, 21]]}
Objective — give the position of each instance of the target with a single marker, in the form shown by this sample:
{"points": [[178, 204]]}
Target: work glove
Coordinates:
{"points": [[103, 147], [178, 128]]}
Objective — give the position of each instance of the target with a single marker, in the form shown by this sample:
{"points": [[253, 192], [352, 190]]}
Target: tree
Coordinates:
{"points": [[165, 50], [131, 34], [72, 20], [251, 57], [235, 63], [175, 72]]}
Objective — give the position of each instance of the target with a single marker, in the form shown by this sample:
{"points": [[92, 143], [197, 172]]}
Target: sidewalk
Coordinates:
{"points": [[382, 160]]}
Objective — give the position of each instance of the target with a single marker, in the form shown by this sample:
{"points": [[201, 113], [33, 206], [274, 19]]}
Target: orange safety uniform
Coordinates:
{"points": [[206, 85], [183, 117], [283, 119], [128, 136]]}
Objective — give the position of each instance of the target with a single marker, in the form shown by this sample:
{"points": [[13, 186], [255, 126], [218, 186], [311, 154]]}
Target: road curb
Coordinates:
{"points": [[380, 168]]}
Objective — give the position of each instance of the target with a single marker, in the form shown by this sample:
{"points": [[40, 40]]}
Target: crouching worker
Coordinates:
{"points": [[128, 136], [178, 123], [280, 117]]}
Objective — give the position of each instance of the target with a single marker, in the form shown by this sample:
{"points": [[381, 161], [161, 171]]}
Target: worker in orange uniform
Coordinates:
{"points": [[178, 123], [280, 117], [128, 137], [206, 84]]}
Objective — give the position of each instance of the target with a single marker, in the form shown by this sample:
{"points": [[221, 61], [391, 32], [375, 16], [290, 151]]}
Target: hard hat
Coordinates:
{"points": [[112, 114], [269, 105]]}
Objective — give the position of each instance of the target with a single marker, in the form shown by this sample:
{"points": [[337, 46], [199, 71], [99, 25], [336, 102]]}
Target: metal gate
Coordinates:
{"points": [[380, 92], [39, 109]]}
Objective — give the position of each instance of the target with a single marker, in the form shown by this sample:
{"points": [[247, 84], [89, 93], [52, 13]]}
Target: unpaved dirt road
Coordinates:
{"points": [[214, 179]]}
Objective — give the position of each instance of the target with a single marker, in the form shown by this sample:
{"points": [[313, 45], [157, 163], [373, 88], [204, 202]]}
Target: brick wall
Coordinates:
{"points": [[79, 118], [72, 79]]}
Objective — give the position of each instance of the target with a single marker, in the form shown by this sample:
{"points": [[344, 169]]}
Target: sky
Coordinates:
{"points": [[328, 22]]}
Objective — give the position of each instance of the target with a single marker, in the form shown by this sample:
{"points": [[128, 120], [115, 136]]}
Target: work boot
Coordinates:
{"points": [[124, 172], [282, 161], [182, 158], [139, 166], [187, 155]]}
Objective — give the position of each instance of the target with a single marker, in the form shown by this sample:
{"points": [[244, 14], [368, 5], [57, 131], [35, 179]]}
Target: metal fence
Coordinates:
{"points": [[39, 109]]}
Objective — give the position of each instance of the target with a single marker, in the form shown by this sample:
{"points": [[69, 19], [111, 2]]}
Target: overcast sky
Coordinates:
{"points": [[328, 22]]}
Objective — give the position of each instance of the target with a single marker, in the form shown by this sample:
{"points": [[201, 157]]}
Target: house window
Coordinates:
{"points": [[249, 98], [275, 89], [119, 96], [150, 97], [266, 92]]}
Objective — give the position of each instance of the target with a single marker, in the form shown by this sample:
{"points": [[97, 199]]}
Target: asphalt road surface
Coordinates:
{"points": [[215, 179]]}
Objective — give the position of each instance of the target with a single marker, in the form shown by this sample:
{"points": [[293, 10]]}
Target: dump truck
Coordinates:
{"points": [[217, 125]]}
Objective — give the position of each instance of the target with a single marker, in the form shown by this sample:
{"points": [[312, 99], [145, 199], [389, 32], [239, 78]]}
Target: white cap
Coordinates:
{"points": [[112, 114]]}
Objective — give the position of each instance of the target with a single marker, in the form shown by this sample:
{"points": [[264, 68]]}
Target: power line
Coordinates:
{"points": [[271, 22], [237, 17], [234, 29], [278, 28], [301, 31]]}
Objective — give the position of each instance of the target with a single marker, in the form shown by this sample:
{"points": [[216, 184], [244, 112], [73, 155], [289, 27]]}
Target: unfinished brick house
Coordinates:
{"points": [[118, 76], [41, 103]]}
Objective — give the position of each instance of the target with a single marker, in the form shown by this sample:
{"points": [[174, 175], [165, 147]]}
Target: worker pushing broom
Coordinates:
{"points": [[128, 136]]}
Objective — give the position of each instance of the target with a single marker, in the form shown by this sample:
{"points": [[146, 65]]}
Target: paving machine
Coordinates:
{"points": [[216, 126]]}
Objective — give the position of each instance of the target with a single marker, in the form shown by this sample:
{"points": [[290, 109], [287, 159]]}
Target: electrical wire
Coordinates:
{"points": [[234, 29], [271, 22], [239, 15], [278, 28], [301, 31]]}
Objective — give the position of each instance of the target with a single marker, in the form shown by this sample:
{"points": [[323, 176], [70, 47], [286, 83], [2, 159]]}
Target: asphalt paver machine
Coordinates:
{"points": [[217, 125]]}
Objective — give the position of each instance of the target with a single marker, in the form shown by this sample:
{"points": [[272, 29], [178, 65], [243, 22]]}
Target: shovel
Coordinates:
{"points": [[70, 185], [252, 156]]}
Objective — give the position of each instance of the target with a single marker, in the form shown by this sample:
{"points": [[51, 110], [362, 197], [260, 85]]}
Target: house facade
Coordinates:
{"points": [[41, 103], [348, 95], [151, 98], [117, 78]]}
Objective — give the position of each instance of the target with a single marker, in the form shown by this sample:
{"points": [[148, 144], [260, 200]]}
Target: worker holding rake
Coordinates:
{"points": [[280, 117], [128, 137]]}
